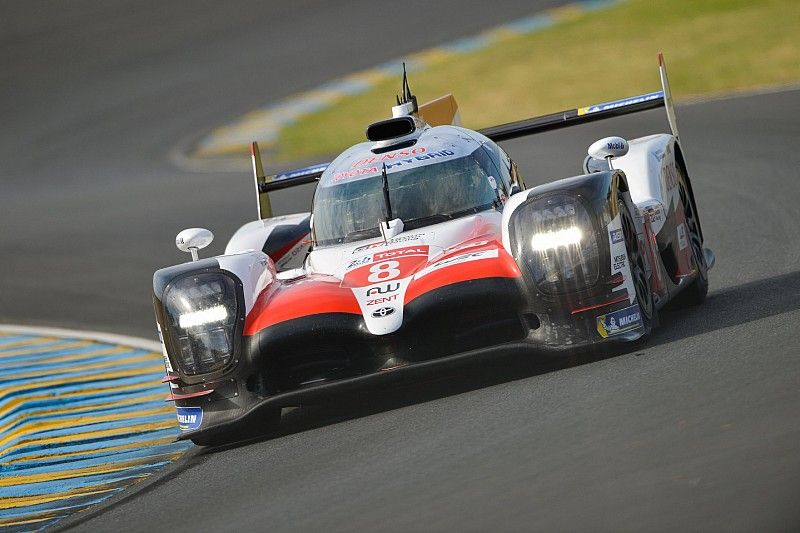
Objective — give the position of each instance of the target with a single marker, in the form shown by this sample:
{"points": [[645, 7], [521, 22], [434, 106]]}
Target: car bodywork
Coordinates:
{"points": [[298, 306]]}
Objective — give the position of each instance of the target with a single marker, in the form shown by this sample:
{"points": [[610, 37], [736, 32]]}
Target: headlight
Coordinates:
{"points": [[201, 312], [555, 240], [547, 240]]}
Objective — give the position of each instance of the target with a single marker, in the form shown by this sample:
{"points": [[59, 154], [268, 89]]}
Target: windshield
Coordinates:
{"points": [[421, 196]]}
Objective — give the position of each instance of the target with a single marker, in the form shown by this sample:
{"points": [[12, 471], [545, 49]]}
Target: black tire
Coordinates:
{"points": [[695, 293], [636, 260], [265, 425]]}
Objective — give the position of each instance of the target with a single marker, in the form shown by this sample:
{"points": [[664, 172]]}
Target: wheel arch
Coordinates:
{"points": [[681, 161]]}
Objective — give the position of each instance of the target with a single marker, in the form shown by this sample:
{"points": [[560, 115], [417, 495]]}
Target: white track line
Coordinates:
{"points": [[134, 342]]}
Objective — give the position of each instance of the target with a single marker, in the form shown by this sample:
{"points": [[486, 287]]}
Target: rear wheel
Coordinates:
{"points": [[644, 296], [265, 425], [695, 293]]}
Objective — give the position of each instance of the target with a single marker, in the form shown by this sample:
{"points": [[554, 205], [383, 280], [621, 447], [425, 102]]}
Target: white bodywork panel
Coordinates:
{"points": [[649, 167], [382, 290], [254, 268], [334, 260]]}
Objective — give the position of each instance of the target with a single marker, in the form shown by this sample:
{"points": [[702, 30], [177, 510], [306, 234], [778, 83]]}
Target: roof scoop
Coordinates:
{"points": [[392, 128], [394, 133]]}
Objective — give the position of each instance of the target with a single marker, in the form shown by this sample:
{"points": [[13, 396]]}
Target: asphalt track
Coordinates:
{"points": [[698, 429]]}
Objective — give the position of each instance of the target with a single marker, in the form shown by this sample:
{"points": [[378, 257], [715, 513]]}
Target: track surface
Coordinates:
{"points": [[697, 429]]}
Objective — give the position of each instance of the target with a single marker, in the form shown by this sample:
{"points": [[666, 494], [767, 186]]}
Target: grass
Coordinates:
{"points": [[711, 46]]}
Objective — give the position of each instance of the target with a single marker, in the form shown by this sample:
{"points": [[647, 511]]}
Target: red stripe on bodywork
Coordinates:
{"points": [[307, 296], [502, 266], [318, 294], [278, 255]]}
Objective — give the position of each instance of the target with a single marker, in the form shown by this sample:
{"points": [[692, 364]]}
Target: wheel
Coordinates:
{"points": [[266, 424], [695, 293], [644, 296]]}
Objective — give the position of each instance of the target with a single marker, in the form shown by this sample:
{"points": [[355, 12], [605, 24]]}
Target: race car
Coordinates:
{"points": [[424, 247]]}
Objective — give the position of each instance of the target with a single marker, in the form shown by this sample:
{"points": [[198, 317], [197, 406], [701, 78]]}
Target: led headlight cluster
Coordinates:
{"points": [[201, 311], [554, 238]]}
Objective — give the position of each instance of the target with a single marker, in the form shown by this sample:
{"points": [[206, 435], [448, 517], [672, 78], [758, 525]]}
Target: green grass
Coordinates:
{"points": [[711, 46]]}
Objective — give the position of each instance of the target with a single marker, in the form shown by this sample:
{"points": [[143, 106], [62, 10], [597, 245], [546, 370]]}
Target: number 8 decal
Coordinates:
{"points": [[384, 271]]}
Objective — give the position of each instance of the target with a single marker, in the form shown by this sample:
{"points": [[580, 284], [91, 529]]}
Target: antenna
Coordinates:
{"points": [[407, 96], [405, 88]]}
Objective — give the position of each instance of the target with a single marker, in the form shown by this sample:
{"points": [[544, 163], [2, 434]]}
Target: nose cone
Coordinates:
{"points": [[382, 305]]}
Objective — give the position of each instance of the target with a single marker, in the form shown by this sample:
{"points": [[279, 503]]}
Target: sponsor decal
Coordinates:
{"points": [[363, 164], [382, 300], [463, 258], [300, 172], [189, 418], [620, 321], [605, 106], [670, 177], [400, 252], [396, 240], [619, 258], [412, 160], [383, 289], [382, 304], [657, 215], [292, 254], [398, 154], [683, 242], [492, 182], [615, 145], [359, 262], [668, 170], [618, 262], [345, 174], [386, 266], [403, 158]]}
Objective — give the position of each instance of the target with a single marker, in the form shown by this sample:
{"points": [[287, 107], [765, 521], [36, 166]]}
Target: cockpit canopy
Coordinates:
{"points": [[448, 173]]}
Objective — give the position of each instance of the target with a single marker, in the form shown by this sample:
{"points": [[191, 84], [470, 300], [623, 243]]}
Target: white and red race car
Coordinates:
{"points": [[425, 247]]}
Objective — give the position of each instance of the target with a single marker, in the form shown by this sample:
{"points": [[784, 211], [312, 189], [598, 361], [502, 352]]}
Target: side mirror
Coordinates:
{"points": [[193, 239], [608, 148]]}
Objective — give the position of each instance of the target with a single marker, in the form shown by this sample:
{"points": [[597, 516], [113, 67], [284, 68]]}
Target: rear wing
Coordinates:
{"points": [[267, 184], [445, 110]]}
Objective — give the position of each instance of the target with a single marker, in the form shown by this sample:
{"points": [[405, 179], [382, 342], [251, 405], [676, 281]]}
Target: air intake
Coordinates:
{"points": [[391, 128]]}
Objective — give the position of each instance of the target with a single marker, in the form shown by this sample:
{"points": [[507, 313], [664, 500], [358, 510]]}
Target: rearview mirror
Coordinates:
{"points": [[193, 239], [608, 148]]}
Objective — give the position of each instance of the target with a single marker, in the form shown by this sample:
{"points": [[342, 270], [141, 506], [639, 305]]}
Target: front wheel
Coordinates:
{"points": [[636, 261], [695, 293]]}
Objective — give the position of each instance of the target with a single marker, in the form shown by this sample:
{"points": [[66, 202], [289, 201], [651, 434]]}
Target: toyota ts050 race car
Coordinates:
{"points": [[425, 247]]}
